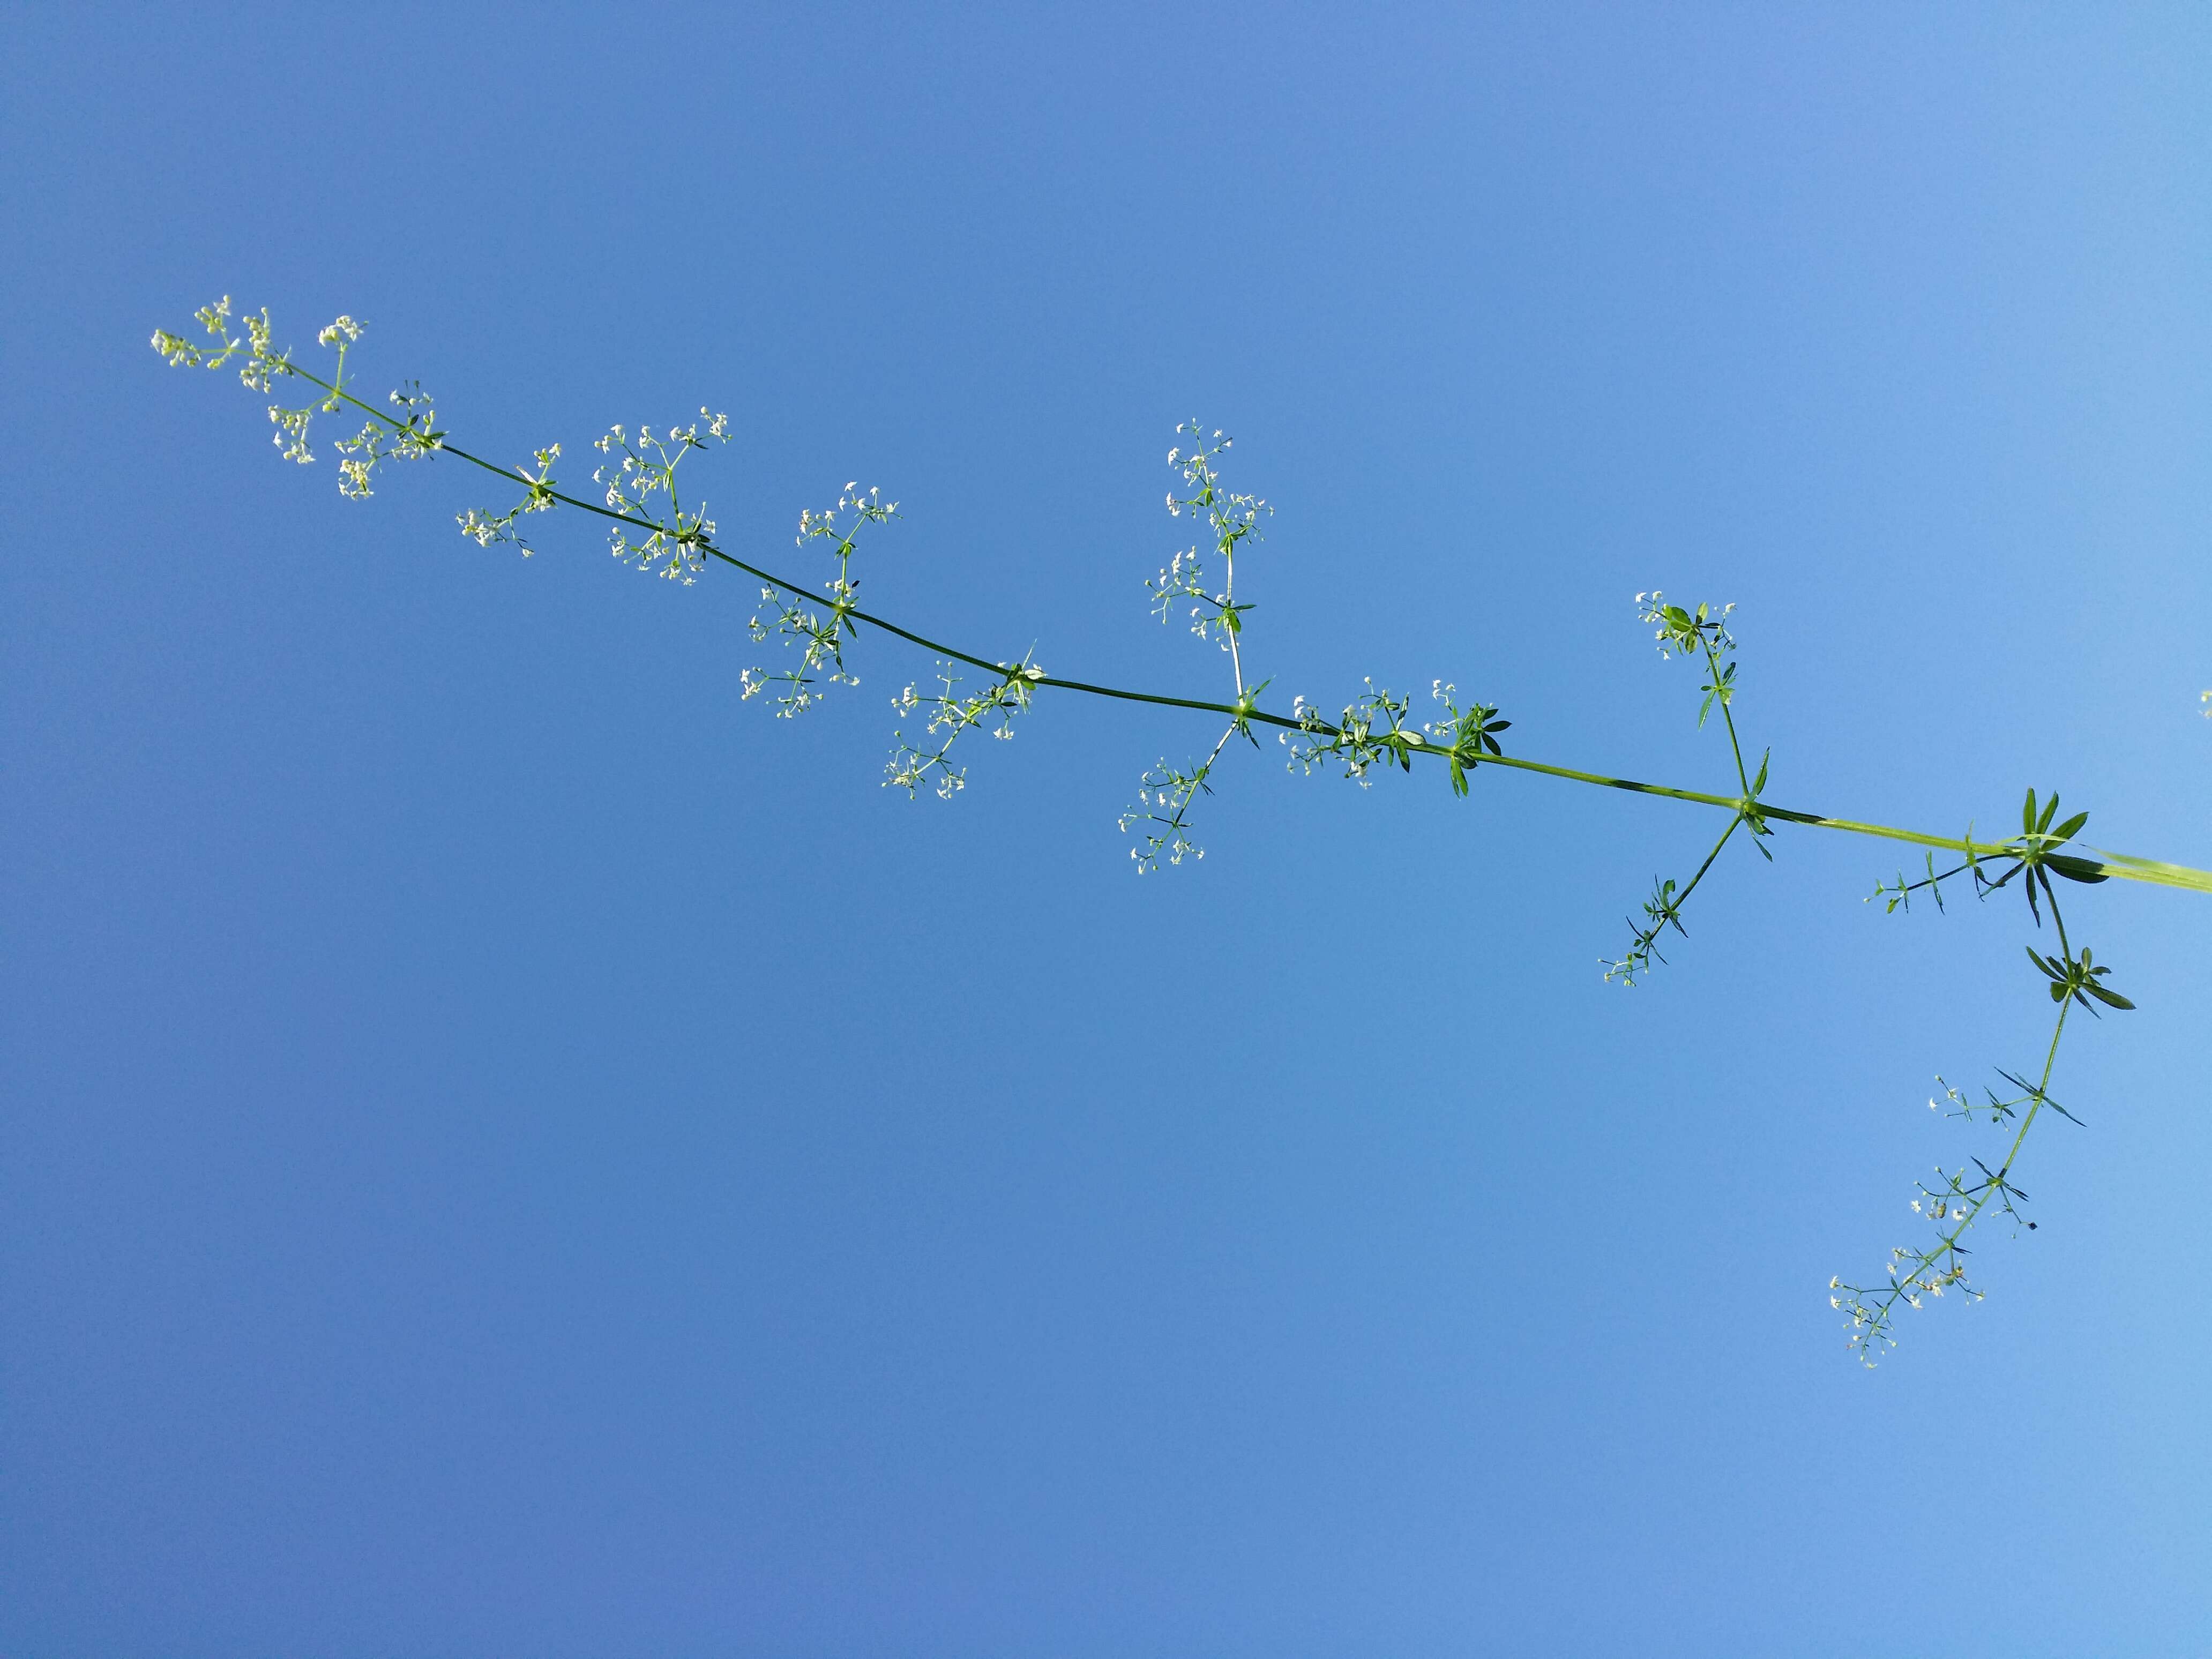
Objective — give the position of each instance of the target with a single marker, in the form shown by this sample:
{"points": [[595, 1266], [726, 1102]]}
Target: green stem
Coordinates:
{"points": [[2121, 867], [1713, 667], [2026, 1123], [1683, 897]]}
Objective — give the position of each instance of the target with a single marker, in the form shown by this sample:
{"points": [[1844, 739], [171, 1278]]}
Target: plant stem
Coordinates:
{"points": [[2122, 867]]}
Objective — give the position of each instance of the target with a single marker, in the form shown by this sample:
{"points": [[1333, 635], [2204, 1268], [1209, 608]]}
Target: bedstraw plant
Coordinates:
{"points": [[818, 621]]}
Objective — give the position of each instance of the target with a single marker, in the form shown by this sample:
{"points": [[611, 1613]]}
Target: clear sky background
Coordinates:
{"points": [[508, 1150]]}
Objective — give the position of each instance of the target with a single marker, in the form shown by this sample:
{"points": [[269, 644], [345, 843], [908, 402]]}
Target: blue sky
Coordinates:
{"points": [[508, 1148]]}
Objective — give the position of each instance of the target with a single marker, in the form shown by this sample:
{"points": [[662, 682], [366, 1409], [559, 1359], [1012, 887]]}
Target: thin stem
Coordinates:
{"points": [[1199, 781], [1926, 1275], [1682, 898], [1712, 663], [2026, 1123], [2122, 867], [1229, 606]]}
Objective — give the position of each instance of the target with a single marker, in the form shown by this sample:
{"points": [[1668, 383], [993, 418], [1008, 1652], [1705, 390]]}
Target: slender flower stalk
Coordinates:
{"points": [[652, 528]]}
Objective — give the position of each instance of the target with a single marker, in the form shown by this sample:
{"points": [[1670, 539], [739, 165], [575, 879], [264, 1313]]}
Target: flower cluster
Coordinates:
{"points": [[180, 352], [486, 529], [1232, 519], [950, 716], [821, 633], [1466, 734], [1950, 1205], [1682, 632], [291, 434], [2073, 979], [1702, 632], [409, 436], [1162, 813], [670, 547], [1375, 729], [1662, 911], [1165, 793]]}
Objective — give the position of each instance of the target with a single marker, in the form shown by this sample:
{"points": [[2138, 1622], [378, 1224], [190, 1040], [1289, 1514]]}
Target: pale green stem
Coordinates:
{"points": [[1713, 666]]}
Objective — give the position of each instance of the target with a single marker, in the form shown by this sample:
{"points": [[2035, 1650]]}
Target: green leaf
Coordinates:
{"points": [[2071, 828], [2110, 998], [2074, 869]]}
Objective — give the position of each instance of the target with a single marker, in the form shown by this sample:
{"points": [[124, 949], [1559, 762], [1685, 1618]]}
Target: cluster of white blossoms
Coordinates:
{"points": [[820, 633], [409, 436], [1683, 631], [254, 373], [1164, 795], [1232, 519], [951, 716], [1951, 1204], [486, 529], [264, 365], [671, 547], [415, 437], [1376, 728], [1662, 911]]}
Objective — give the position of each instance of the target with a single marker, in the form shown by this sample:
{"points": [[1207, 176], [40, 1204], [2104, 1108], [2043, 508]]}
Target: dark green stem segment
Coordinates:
{"points": [[2118, 866]]}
